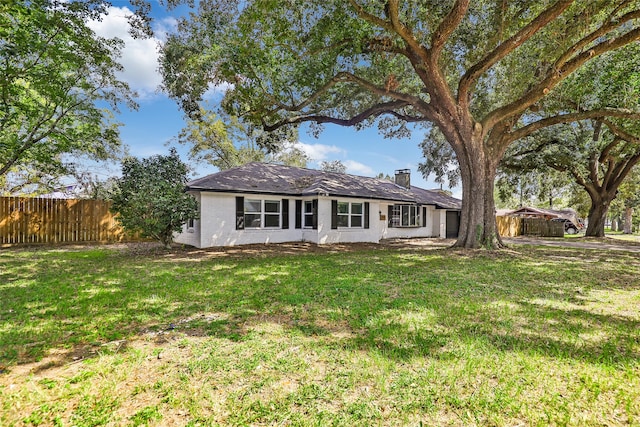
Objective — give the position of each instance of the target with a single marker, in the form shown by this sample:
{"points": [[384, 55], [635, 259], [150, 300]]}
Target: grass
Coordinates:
{"points": [[373, 336]]}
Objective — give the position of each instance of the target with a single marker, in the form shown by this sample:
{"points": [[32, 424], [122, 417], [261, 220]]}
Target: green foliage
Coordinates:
{"points": [[150, 197], [485, 73], [333, 166], [518, 185], [56, 77], [225, 142], [439, 159]]}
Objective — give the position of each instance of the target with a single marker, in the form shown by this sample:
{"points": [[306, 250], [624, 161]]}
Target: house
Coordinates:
{"points": [[269, 203]]}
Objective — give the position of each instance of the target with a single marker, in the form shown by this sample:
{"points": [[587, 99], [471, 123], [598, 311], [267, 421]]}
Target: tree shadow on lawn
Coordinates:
{"points": [[403, 304]]}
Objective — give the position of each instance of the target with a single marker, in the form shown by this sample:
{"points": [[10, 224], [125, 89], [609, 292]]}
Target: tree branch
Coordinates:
{"points": [[404, 32], [374, 111], [448, 26], [609, 26], [344, 77], [370, 17], [569, 118], [507, 47], [621, 133], [557, 75]]}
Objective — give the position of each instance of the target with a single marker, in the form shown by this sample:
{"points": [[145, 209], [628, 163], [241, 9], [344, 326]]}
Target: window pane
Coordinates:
{"points": [[272, 220], [343, 208], [412, 213], [356, 220], [271, 206], [343, 220], [308, 206], [252, 220], [308, 220], [395, 216], [252, 206], [356, 208], [405, 215]]}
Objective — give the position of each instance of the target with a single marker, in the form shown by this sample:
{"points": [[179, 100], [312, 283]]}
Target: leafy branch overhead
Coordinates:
{"points": [[56, 77], [485, 73]]}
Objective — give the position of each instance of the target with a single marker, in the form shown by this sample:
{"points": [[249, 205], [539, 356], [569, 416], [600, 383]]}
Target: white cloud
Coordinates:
{"points": [[164, 26], [357, 168], [214, 92], [139, 56], [318, 152]]}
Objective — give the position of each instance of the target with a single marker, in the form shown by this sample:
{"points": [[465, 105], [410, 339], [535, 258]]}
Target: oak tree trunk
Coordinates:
{"points": [[478, 220], [628, 215], [597, 217]]}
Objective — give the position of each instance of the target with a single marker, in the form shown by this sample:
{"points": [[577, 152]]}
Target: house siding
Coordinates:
{"points": [[430, 229], [217, 223], [190, 236]]}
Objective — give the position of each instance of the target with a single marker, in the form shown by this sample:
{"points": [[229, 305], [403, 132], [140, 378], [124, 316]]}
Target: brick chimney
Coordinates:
{"points": [[403, 178]]}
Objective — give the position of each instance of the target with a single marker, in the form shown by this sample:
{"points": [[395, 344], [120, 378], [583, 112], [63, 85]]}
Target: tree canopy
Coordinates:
{"points": [[149, 197], [599, 153], [480, 71], [333, 166], [57, 78], [225, 142]]}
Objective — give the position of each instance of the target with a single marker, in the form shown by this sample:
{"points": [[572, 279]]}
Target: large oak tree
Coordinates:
{"points": [[479, 71], [597, 154], [58, 86]]}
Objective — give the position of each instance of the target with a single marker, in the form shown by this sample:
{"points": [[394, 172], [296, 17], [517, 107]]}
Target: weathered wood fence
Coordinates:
{"points": [[40, 220], [509, 226], [542, 227]]}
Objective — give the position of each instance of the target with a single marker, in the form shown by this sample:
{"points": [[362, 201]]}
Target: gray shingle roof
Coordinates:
{"points": [[267, 178]]}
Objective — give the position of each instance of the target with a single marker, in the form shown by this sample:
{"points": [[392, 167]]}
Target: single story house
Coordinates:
{"points": [[269, 203]]}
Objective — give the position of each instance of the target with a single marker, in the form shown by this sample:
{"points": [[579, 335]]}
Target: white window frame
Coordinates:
{"points": [[307, 213], [262, 215], [349, 215], [401, 216]]}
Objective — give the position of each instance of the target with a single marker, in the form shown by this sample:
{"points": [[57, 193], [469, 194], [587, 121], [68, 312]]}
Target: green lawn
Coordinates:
{"points": [[528, 336]]}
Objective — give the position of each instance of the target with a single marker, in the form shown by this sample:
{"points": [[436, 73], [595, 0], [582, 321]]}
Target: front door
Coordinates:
{"points": [[453, 224]]}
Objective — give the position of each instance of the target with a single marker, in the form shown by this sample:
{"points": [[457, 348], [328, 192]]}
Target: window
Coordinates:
{"points": [[191, 223], [356, 214], [404, 216], [272, 213], [261, 213], [252, 213], [350, 214], [308, 213], [343, 214]]}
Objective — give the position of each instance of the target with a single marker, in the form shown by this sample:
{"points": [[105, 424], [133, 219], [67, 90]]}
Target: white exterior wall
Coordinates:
{"points": [[430, 230], [440, 223], [190, 236], [217, 224], [345, 234]]}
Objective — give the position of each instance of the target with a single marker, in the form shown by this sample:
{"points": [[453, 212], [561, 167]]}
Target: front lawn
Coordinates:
{"points": [[370, 336]]}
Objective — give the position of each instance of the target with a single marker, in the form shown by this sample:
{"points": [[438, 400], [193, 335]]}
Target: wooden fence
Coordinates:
{"points": [[39, 220], [542, 227], [509, 226]]}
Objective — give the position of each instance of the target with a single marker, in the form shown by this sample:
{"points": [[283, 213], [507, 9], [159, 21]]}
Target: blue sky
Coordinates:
{"points": [[155, 126]]}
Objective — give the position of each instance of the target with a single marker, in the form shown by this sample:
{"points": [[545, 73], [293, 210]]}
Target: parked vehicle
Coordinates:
{"points": [[569, 226]]}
